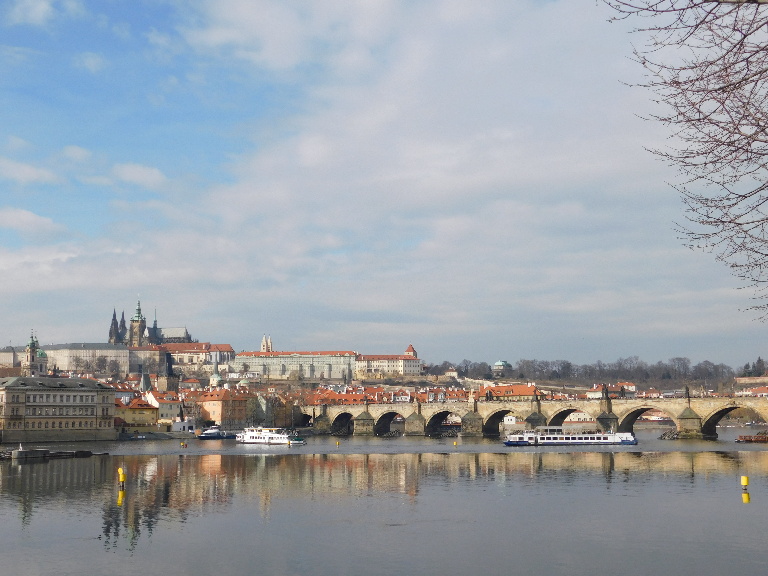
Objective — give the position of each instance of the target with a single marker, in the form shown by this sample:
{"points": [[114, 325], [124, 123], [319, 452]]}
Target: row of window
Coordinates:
{"points": [[62, 398], [41, 425], [80, 410]]}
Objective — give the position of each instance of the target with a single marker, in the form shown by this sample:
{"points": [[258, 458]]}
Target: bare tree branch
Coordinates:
{"points": [[707, 63]]}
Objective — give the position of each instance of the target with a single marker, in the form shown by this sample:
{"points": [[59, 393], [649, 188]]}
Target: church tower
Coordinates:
{"points": [[138, 327], [266, 344], [35, 360], [114, 330]]}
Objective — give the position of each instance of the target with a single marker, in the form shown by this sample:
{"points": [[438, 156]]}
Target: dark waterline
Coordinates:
{"points": [[382, 506]]}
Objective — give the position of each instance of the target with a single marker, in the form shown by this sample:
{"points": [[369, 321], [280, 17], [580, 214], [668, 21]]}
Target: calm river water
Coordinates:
{"points": [[389, 506]]}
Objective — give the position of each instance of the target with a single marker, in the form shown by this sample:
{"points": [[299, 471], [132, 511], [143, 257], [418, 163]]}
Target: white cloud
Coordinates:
{"points": [[90, 61], [25, 173], [144, 176], [27, 223], [14, 144], [76, 153], [35, 12], [42, 12]]}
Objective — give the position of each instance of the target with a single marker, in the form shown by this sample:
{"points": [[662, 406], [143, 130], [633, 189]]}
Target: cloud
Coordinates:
{"points": [[34, 12], [27, 223], [25, 173], [76, 153], [90, 61], [14, 144], [144, 176], [41, 12]]}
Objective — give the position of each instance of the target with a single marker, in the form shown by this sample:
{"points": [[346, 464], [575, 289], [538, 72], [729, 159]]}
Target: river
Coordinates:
{"points": [[374, 506]]}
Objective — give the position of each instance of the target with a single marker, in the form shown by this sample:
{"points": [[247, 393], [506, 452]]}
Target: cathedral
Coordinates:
{"points": [[137, 333]]}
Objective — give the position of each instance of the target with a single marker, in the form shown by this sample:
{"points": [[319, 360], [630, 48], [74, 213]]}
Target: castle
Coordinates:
{"points": [[138, 334]]}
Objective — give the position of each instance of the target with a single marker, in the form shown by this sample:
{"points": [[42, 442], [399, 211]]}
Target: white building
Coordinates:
{"points": [[326, 365], [383, 365]]}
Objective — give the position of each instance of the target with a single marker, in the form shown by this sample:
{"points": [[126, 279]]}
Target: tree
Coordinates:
{"points": [[101, 363], [707, 63], [113, 366]]}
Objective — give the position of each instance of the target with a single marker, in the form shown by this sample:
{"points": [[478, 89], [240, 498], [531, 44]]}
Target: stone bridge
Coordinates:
{"points": [[694, 417]]}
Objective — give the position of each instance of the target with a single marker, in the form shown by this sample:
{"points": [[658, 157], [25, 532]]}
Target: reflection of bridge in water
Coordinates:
{"points": [[693, 417], [186, 488]]}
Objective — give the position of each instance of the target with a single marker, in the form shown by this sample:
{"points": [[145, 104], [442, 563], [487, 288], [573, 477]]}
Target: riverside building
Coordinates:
{"points": [[43, 409]]}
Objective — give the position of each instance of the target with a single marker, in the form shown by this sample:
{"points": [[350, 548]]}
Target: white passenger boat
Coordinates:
{"points": [[558, 436], [261, 435]]}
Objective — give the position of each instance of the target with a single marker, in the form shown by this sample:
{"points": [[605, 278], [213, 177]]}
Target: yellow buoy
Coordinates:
{"points": [[455, 443], [745, 482], [745, 497]]}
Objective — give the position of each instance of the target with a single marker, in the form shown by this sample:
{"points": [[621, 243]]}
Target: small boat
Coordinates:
{"points": [[262, 435], [557, 436], [215, 433], [759, 438]]}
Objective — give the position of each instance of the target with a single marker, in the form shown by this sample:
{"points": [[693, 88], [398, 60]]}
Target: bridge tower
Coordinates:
{"points": [[607, 420], [536, 418]]}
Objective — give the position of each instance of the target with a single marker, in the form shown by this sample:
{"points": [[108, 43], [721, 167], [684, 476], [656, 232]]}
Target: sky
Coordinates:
{"points": [[469, 178]]}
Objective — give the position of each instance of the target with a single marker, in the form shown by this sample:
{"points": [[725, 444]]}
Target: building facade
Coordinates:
{"points": [[87, 357], [339, 365], [385, 365], [44, 409]]}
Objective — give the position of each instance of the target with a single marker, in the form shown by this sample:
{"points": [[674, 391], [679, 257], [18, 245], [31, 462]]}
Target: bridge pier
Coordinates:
{"points": [[415, 425], [363, 424], [535, 419], [471, 425], [321, 424], [689, 426], [608, 422]]}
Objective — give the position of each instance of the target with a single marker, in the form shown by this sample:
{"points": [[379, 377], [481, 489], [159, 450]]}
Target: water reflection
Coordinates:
{"points": [[175, 488]]}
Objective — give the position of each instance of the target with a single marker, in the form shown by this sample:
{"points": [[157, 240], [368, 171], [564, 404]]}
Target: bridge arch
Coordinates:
{"points": [[343, 424], [627, 419], [710, 421], [434, 424], [383, 424], [304, 419], [492, 421], [557, 418]]}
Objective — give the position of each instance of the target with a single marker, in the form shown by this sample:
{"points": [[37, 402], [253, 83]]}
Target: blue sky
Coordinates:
{"points": [[469, 178]]}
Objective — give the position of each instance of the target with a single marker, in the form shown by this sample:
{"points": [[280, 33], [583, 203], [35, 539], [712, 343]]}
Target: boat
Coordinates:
{"points": [[759, 438], [558, 436], [215, 433], [262, 435]]}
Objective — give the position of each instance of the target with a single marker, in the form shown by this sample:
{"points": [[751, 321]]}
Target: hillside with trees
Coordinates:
{"points": [[663, 375]]}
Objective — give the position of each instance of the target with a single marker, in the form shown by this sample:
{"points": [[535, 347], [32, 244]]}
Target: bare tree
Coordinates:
{"points": [[707, 63]]}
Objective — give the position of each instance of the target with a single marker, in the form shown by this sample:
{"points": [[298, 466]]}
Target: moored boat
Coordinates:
{"points": [[558, 436], [262, 435], [215, 433], [759, 438]]}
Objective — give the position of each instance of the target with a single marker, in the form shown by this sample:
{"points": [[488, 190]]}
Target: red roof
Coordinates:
{"points": [[311, 353]]}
